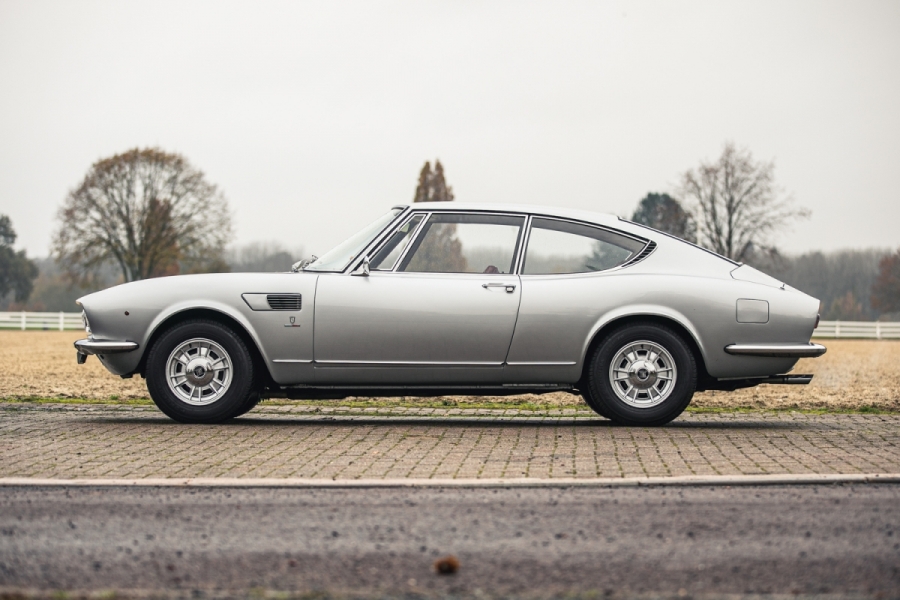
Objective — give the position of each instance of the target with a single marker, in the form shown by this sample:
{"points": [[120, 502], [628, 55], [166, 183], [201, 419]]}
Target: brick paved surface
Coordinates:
{"points": [[72, 441]]}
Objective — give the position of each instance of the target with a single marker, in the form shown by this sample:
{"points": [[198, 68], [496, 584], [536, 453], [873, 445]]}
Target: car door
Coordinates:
{"points": [[569, 278], [439, 305]]}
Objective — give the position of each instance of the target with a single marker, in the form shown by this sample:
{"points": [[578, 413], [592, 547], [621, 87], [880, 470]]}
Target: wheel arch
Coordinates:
{"points": [[615, 323], [210, 314]]}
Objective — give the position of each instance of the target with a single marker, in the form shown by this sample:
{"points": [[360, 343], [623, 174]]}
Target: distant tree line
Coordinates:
{"points": [[147, 213]]}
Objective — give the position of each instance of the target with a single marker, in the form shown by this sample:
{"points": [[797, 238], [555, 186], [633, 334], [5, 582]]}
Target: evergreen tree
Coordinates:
{"points": [[432, 184], [441, 250], [663, 212], [17, 272]]}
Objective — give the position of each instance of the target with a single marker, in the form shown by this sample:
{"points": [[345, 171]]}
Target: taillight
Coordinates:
{"points": [[817, 321]]}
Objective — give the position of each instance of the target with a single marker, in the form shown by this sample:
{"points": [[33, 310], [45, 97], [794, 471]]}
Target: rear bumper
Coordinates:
{"points": [[777, 350], [89, 346]]}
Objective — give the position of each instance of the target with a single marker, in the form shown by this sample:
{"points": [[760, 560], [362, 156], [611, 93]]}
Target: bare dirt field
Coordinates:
{"points": [[853, 374]]}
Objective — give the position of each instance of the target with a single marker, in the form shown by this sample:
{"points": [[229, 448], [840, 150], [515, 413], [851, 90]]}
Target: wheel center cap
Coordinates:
{"points": [[199, 372], [642, 374]]}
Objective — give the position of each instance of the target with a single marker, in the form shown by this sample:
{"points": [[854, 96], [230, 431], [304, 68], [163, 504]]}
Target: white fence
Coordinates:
{"points": [[40, 320], [858, 329], [827, 329]]}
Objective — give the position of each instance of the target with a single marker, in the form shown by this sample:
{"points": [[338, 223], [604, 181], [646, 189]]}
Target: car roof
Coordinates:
{"points": [[533, 209]]}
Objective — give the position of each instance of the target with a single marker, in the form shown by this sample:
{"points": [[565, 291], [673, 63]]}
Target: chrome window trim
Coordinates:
{"points": [[412, 241], [526, 238], [364, 253], [523, 240], [387, 238], [516, 252], [630, 261]]}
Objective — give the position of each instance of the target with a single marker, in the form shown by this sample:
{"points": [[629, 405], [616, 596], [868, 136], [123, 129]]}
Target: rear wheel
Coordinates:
{"points": [[642, 374], [201, 372]]}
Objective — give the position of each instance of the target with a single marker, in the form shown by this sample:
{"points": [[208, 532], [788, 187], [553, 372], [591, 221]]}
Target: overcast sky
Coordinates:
{"points": [[313, 118]]}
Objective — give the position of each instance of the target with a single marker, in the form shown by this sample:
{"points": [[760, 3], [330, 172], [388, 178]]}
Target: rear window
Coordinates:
{"points": [[559, 247]]}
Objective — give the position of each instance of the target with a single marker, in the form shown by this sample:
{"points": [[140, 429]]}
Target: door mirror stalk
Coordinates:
{"points": [[363, 269]]}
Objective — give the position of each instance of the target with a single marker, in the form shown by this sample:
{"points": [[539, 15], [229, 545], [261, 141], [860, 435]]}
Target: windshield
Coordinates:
{"points": [[344, 253]]}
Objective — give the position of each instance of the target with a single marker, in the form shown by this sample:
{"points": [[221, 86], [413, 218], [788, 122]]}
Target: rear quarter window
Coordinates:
{"points": [[559, 247]]}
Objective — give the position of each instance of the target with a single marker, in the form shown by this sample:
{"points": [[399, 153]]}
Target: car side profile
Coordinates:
{"points": [[477, 299]]}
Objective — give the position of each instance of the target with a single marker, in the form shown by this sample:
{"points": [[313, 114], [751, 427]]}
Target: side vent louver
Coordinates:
{"points": [[284, 301], [647, 251]]}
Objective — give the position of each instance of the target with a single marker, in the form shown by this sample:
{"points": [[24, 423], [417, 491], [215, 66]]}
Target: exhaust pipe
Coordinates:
{"points": [[788, 379]]}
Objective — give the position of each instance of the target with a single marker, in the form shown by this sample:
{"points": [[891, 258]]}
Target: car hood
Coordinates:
{"points": [[183, 282]]}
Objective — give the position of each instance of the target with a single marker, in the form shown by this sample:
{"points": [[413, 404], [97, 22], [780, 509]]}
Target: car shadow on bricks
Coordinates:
{"points": [[458, 422]]}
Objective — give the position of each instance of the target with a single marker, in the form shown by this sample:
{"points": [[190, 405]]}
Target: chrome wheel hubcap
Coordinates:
{"points": [[642, 374], [199, 371]]}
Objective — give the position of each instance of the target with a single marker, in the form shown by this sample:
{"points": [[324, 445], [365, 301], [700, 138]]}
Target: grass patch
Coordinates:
{"points": [[113, 401], [866, 410]]}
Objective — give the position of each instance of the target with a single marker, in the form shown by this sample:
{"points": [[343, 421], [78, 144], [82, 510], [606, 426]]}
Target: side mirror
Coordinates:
{"points": [[363, 269]]}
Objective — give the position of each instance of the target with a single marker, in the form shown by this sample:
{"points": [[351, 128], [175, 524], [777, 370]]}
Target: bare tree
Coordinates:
{"points": [[147, 211], [432, 184], [736, 203]]}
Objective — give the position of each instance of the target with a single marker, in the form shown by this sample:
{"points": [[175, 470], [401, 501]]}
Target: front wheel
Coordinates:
{"points": [[642, 374], [201, 372]]}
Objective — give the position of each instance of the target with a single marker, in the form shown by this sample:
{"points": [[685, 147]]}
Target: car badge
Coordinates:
{"points": [[293, 323]]}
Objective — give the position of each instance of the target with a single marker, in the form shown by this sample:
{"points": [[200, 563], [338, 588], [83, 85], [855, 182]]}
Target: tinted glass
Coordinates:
{"points": [[452, 243], [556, 247]]}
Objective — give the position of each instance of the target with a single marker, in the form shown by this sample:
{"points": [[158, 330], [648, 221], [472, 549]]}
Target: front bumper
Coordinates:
{"points": [[777, 350], [90, 346]]}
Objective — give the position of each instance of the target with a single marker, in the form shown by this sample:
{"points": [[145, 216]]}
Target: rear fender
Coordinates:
{"points": [[619, 315]]}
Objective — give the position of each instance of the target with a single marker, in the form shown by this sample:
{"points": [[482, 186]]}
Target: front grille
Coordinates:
{"points": [[284, 301]]}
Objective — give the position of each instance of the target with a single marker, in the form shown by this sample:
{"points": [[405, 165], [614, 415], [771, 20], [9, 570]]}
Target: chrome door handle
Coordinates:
{"points": [[510, 287]]}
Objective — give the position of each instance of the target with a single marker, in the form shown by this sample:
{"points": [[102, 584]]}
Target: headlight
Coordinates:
{"points": [[87, 326]]}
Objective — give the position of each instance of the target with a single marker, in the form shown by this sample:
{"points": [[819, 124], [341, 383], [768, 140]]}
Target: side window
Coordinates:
{"points": [[385, 258], [557, 247], [456, 243]]}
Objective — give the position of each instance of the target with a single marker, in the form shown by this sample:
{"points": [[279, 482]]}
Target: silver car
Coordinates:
{"points": [[448, 298]]}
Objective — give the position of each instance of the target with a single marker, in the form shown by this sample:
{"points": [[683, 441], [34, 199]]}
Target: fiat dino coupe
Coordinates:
{"points": [[447, 298]]}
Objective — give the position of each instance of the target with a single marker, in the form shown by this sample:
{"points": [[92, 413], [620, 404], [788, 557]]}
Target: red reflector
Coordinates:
{"points": [[817, 321]]}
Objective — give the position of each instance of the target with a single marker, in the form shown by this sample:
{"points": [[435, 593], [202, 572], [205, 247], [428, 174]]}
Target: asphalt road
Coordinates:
{"points": [[509, 542]]}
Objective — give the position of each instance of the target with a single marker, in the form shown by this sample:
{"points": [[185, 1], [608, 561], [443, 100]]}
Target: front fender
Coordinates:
{"points": [[136, 312]]}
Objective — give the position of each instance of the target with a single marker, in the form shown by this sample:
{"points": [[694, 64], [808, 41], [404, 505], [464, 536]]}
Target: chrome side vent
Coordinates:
{"points": [[284, 301], [647, 251]]}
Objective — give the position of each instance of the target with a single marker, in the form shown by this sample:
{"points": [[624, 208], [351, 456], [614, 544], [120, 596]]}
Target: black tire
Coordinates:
{"points": [[240, 394], [252, 400], [604, 399], [592, 402]]}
